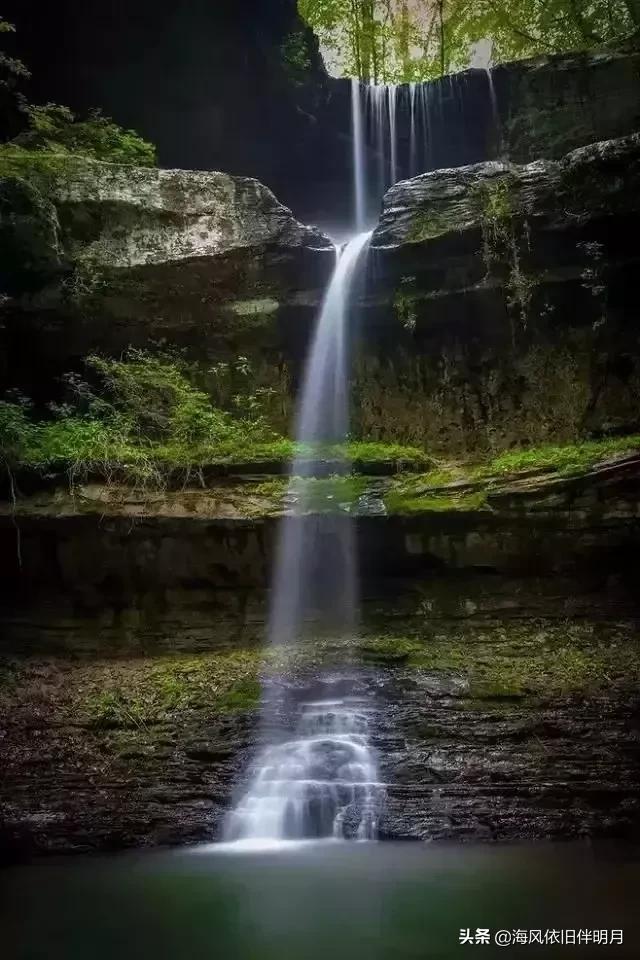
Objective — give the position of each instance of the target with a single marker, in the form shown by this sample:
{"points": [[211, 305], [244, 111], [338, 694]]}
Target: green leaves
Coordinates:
{"points": [[54, 128], [398, 41]]}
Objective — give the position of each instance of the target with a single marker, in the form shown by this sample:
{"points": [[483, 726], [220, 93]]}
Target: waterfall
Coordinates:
{"points": [[359, 170], [392, 93], [378, 99], [413, 147], [381, 156], [323, 782], [495, 111]]}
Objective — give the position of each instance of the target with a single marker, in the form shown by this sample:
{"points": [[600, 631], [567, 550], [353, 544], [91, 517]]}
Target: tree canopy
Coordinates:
{"points": [[386, 41]]}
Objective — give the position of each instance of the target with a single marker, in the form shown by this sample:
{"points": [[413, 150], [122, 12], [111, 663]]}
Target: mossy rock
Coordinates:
{"points": [[496, 690], [392, 651], [29, 248]]}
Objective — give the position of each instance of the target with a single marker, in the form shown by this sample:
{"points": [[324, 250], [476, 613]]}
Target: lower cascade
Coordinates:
{"points": [[322, 784]]}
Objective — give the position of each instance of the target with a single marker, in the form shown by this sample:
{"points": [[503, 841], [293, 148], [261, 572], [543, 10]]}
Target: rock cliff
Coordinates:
{"points": [[501, 307], [113, 255]]}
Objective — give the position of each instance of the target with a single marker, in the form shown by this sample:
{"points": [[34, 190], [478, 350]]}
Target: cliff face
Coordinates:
{"points": [[502, 303], [112, 256], [217, 86], [243, 89]]}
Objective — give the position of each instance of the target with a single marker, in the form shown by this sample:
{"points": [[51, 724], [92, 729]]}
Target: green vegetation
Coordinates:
{"points": [[142, 696], [148, 419], [389, 650], [429, 224], [397, 502], [385, 41], [363, 453], [12, 70], [566, 460], [38, 167], [295, 56], [465, 487], [504, 236], [404, 304], [510, 660], [56, 130]]}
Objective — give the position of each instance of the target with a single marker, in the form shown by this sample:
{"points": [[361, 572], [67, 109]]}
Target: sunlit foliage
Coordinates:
{"points": [[407, 40]]}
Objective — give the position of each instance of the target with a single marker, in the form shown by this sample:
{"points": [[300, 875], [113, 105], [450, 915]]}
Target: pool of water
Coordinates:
{"points": [[357, 901]]}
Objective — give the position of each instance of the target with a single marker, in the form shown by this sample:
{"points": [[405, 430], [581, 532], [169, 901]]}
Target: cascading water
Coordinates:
{"points": [[375, 112], [398, 129], [324, 782], [495, 110]]}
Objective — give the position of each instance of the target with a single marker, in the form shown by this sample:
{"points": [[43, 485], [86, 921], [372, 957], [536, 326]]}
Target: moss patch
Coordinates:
{"points": [[567, 460], [405, 502], [509, 660]]}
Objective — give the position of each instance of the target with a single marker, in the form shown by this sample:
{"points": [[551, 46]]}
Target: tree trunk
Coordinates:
{"points": [[442, 37]]}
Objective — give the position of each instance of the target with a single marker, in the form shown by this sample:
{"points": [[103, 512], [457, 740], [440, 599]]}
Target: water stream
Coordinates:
{"points": [[323, 782]]}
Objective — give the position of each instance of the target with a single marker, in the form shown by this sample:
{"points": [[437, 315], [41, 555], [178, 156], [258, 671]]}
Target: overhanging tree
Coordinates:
{"points": [[405, 40]]}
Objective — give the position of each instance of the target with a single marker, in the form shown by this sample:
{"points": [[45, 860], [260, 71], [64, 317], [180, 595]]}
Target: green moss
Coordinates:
{"points": [[567, 459], [146, 694], [494, 200], [404, 303], [39, 167], [389, 650], [429, 224], [505, 662], [244, 695], [399, 502]]}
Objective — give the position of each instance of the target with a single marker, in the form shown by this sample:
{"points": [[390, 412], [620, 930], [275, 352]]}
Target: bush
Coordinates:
{"points": [[143, 416], [56, 129]]}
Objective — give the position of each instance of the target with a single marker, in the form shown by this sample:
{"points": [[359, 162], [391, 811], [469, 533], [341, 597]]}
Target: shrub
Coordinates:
{"points": [[56, 129]]}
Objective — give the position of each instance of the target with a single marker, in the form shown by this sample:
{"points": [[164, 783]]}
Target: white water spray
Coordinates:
{"points": [[495, 110]]}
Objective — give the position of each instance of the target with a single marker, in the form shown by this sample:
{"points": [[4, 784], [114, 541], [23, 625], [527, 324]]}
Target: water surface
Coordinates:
{"points": [[343, 901]]}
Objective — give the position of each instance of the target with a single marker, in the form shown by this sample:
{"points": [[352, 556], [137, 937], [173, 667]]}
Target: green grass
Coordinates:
{"points": [[510, 660], [567, 459], [402, 502], [434, 491], [147, 694], [39, 166]]}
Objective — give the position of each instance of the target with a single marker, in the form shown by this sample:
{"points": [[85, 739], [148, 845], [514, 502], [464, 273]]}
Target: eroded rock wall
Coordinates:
{"points": [[113, 256], [501, 304]]}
